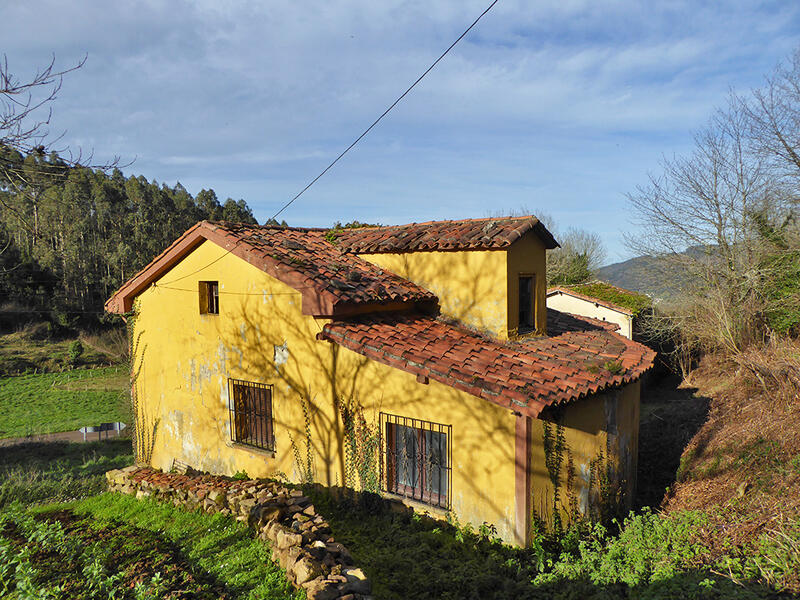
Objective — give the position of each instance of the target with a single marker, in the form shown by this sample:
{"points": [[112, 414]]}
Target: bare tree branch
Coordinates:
{"points": [[26, 112]]}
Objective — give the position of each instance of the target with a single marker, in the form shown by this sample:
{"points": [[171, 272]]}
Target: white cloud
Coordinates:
{"points": [[556, 98]]}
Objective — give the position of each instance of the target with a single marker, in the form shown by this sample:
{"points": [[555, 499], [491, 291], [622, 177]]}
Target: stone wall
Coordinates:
{"points": [[300, 538]]}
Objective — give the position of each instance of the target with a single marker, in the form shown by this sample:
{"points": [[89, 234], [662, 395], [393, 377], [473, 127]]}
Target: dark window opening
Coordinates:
{"points": [[526, 301], [209, 298], [416, 459], [250, 407]]}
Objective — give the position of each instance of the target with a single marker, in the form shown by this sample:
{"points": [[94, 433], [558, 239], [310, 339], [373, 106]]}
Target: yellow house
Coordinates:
{"points": [[417, 361]]}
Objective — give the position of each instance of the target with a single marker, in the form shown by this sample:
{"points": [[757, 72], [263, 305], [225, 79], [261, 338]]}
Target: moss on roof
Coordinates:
{"points": [[633, 301]]}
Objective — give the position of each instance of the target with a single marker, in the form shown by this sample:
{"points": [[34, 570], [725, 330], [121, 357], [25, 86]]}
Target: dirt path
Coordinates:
{"points": [[671, 414]]}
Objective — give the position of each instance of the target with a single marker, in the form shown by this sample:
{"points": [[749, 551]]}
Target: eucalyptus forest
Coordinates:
{"points": [[71, 235]]}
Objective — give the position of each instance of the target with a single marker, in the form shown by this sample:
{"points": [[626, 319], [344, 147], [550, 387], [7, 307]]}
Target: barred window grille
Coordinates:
{"points": [[416, 459], [250, 409]]}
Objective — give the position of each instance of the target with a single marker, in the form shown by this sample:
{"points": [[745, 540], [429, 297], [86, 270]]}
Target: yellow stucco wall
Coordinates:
{"points": [[600, 433], [527, 257], [471, 285], [186, 358], [477, 287]]}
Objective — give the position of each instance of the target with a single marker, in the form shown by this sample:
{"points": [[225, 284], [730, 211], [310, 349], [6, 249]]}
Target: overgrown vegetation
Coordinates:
{"points": [[601, 290], [652, 556], [37, 348], [51, 402]]}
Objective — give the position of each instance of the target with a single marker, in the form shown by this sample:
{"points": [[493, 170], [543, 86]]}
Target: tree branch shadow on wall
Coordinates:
{"points": [[322, 375], [670, 418]]}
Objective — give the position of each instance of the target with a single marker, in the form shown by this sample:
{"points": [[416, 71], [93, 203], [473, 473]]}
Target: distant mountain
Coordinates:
{"points": [[651, 275]]}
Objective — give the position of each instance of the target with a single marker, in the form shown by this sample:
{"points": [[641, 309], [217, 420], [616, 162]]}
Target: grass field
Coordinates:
{"points": [[52, 402], [36, 472], [114, 546]]}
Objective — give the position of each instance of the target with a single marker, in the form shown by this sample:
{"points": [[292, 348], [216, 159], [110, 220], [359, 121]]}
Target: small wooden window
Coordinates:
{"points": [[416, 459], [526, 288], [209, 297], [250, 409]]}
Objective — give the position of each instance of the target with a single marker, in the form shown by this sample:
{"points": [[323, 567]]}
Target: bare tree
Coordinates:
{"points": [[774, 119], [29, 157], [26, 106], [704, 217]]}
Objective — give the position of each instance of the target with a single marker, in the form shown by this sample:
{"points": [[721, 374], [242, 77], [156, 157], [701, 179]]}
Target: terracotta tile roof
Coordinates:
{"points": [[467, 234], [559, 322], [524, 376], [321, 265], [330, 281]]}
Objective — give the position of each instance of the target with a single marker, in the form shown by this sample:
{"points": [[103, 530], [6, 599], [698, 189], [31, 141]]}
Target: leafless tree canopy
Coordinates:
{"points": [[26, 105], [732, 204], [26, 109]]}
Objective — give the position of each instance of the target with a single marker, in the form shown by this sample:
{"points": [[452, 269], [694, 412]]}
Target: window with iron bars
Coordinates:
{"points": [[250, 409], [416, 459]]}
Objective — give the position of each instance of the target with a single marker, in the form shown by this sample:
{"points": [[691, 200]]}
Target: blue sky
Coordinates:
{"points": [[560, 107]]}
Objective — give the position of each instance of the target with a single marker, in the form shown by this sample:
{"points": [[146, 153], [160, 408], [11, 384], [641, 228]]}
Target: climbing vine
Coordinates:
{"points": [[604, 491], [361, 444], [554, 442], [304, 467], [145, 426]]}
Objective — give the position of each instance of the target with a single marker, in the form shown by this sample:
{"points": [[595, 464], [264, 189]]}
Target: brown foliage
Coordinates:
{"points": [[743, 466]]}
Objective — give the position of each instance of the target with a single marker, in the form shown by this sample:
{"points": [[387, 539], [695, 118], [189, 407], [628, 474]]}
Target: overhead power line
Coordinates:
{"points": [[386, 112]]}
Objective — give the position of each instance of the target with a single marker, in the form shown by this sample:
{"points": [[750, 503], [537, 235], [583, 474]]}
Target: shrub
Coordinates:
{"points": [[649, 548], [75, 351]]}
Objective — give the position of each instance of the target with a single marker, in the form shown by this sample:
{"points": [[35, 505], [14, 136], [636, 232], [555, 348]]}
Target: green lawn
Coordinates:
{"points": [[52, 402]]}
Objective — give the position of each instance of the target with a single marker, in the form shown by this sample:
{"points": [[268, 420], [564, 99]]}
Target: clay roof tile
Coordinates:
{"points": [[535, 373]]}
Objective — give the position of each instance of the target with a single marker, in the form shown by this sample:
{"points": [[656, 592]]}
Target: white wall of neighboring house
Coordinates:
{"points": [[564, 302]]}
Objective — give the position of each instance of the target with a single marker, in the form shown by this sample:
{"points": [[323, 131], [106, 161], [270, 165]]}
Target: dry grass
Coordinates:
{"points": [[776, 368], [743, 465], [113, 342]]}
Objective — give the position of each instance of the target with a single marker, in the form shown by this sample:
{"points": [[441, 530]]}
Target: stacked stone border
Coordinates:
{"points": [[300, 538]]}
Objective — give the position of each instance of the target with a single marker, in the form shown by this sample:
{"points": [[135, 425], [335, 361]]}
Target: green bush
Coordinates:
{"points": [[649, 548], [75, 351]]}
